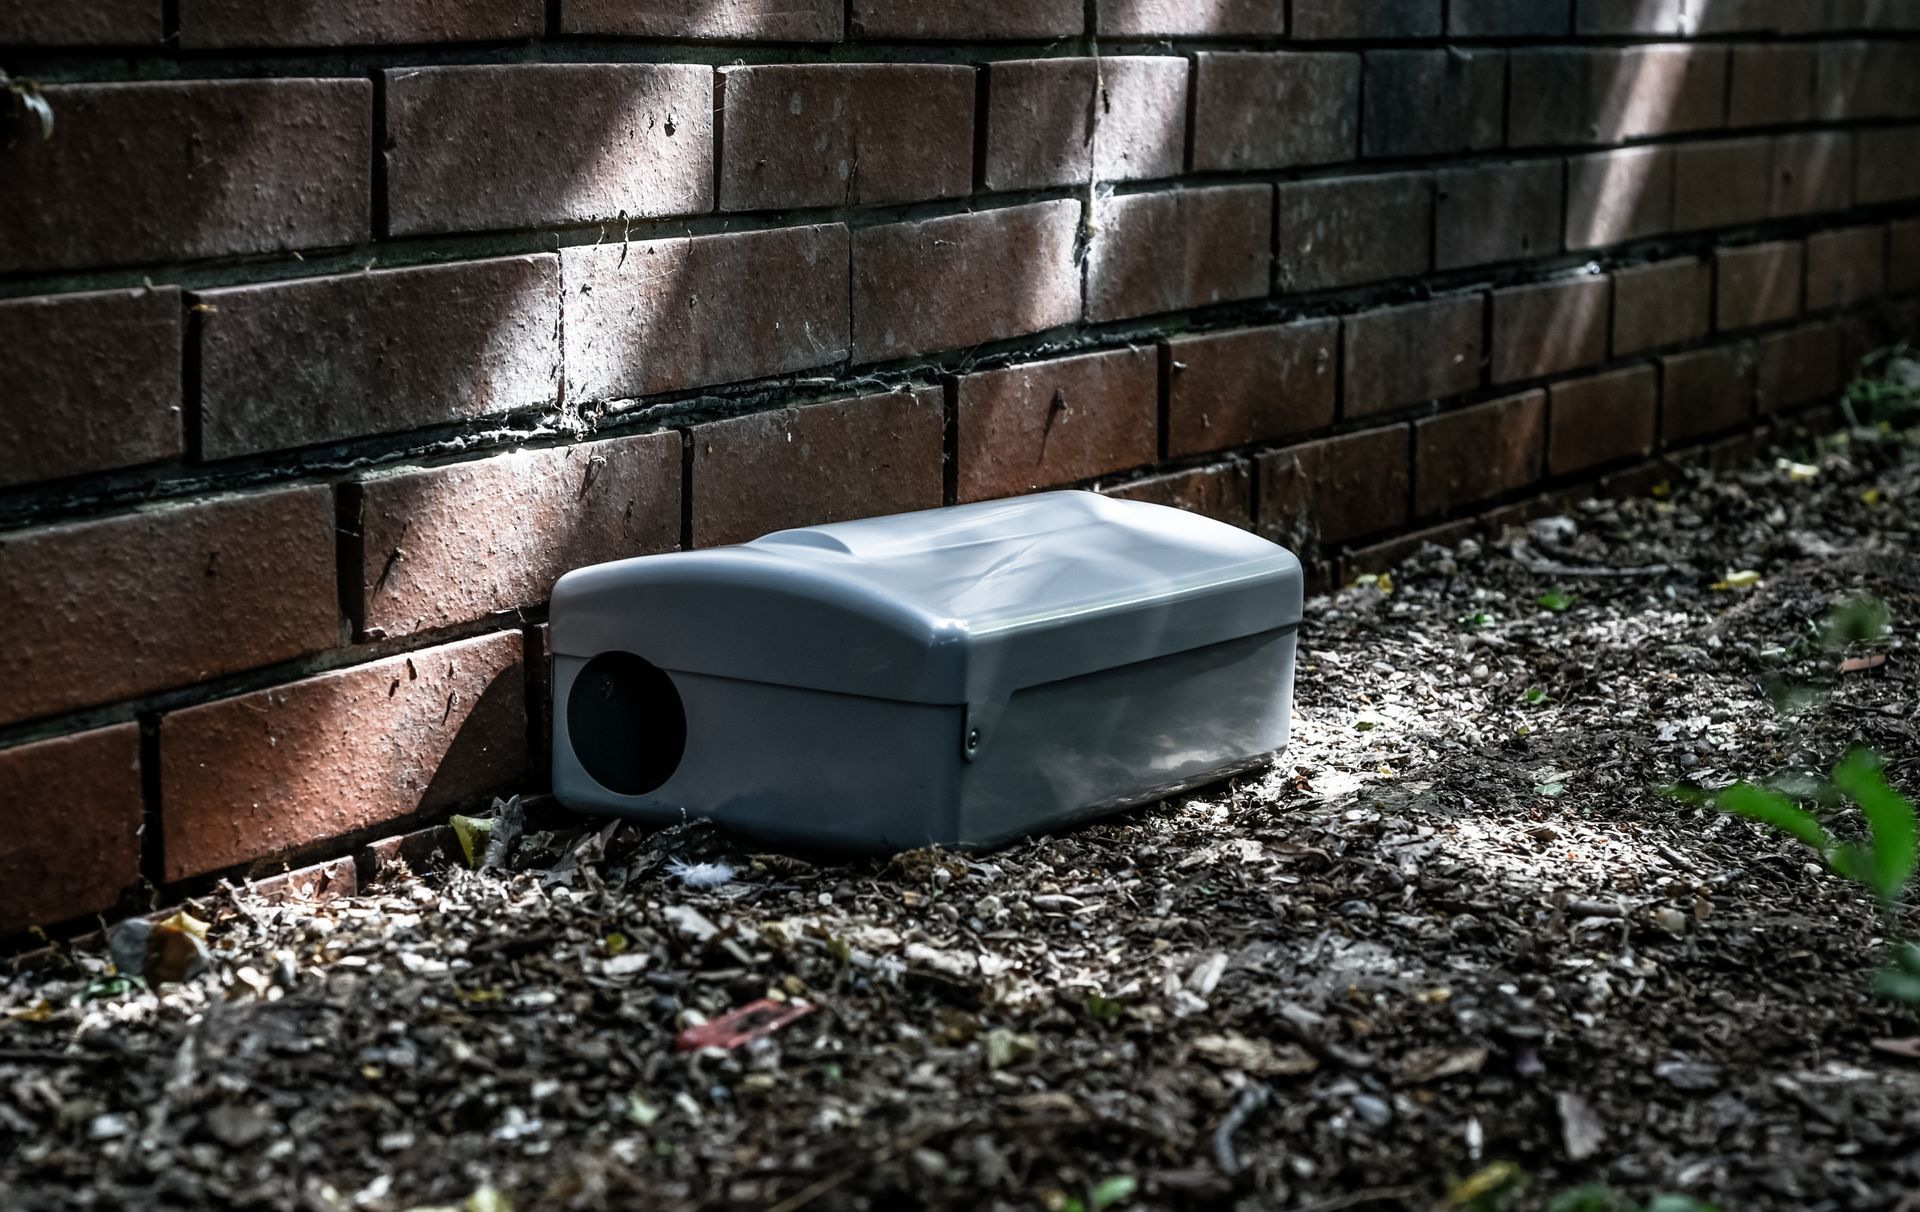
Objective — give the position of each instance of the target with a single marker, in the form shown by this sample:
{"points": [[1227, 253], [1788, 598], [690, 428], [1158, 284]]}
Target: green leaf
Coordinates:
{"points": [[1896, 839], [1114, 1190], [1857, 864], [1557, 600], [1772, 808], [1476, 622], [1535, 696]]}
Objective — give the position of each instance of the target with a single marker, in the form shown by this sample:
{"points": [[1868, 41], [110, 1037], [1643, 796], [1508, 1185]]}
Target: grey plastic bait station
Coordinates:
{"points": [[960, 677]]}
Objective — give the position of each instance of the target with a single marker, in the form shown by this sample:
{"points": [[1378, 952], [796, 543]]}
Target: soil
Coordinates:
{"points": [[1460, 950]]}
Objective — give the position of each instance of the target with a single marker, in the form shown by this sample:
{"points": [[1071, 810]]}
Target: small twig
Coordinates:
{"points": [[1251, 1100], [1359, 1199]]}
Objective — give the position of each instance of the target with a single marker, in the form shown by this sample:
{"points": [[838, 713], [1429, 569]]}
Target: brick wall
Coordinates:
{"points": [[332, 331]]}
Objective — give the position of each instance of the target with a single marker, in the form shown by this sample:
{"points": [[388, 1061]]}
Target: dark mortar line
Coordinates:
{"points": [[349, 505], [192, 407], [687, 460], [950, 441], [152, 842], [378, 204]]}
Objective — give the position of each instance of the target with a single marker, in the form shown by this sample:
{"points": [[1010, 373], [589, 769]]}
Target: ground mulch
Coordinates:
{"points": [[1459, 941]]}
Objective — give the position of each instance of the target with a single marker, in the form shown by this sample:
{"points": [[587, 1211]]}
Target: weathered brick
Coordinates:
{"points": [[72, 843], [844, 134], [1184, 248], [1798, 366], [1047, 423], [288, 364], [1724, 183], [1223, 492], [1527, 199], [663, 315], [1846, 267], [1328, 492], [1236, 97], [1408, 355], [1855, 80], [92, 382], [1705, 392], [1771, 84], [1250, 385], [1903, 256], [1759, 284], [1633, 16], [127, 179], [638, 143], [1758, 17], [858, 458], [1617, 196], [1475, 454], [1870, 15], [1181, 19], [968, 20], [1349, 230], [1509, 18], [964, 280], [1667, 303], [1071, 121], [1366, 19], [1604, 419], [1812, 173], [447, 545], [1564, 95], [96, 23], [1550, 327], [209, 23], [1433, 102], [1886, 165], [763, 20], [266, 774], [126, 605]]}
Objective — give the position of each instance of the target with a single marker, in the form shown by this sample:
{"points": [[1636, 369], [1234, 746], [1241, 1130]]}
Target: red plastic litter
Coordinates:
{"points": [[748, 1023]]}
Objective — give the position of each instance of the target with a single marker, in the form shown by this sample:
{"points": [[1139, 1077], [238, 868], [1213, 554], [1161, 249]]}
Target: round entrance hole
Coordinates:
{"points": [[626, 723]]}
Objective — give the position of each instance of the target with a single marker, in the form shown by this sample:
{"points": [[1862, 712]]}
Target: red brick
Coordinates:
{"points": [[1434, 102], [670, 314], [1475, 454], [1604, 419], [964, 280], [1759, 284], [638, 143], [1569, 96], [447, 545], [207, 23], [1667, 303], [1705, 392], [968, 20], [1798, 366], [1182, 19], [1554, 326], [1071, 121], [1509, 18], [844, 134], [126, 605], [765, 20], [126, 180], [72, 843], [1886, 165], [1185, 248], [270, 773], [1366, 19], [1327, 492], [1251, 385], [1758, 16], [96, 23], [92, 381], [1389, 554], [1527, 198], [1237, 96], [1223, 492], [819, 463], [1044, 424], [1725, 183], [1846, 267], [1903, 256], [1812, 173], [1408, 355], [288, 364], [1867, 80], [1771, 84], [1617, 196], [1350, 230]]}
